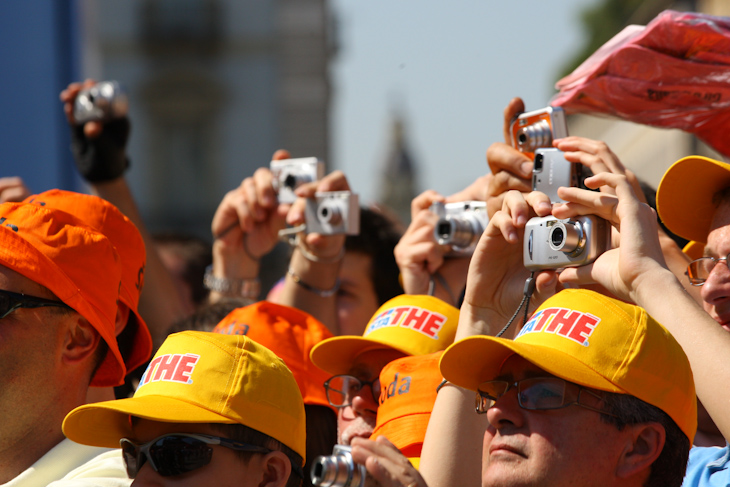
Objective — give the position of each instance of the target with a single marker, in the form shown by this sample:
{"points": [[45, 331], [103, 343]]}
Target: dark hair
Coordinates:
{"points": [[208, 315], [197, 254], [377, 239], [669, 468], [245, 434], [321, 434]]}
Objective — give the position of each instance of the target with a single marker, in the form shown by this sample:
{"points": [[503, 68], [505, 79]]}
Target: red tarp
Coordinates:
{"points": [[673, 73]]}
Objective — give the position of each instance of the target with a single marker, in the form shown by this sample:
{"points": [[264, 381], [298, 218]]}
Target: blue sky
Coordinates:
{"points": [[450, 68]]}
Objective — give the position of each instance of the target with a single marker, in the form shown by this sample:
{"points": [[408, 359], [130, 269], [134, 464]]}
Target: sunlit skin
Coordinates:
{"points": [[357, 301], [358, 419], [225, 469], [715, 291], [568, 446]]}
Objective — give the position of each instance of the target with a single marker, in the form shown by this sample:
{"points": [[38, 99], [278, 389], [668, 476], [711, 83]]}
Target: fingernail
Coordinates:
{"points": [[521, 220], [544, 207], [526, 168], [512, 236]]}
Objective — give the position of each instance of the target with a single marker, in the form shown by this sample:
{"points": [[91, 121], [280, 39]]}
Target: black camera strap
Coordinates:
{"points": [[527, 294]]}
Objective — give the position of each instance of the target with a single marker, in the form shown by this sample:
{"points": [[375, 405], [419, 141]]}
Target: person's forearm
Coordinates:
{"points": [[160, 304], [306, 294], [706, 344]]}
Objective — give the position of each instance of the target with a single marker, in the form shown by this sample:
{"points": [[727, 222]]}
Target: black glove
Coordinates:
{"points": [[102, 158]]}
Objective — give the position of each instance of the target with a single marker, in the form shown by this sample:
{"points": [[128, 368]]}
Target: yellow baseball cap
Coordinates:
{"points": [[685, 194], [412, 324], [407, 394], [694, 250], [594, 341], [202, 377]]}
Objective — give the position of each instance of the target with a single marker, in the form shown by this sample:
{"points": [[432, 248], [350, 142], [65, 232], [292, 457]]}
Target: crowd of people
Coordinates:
{"points": [[382, 357]]}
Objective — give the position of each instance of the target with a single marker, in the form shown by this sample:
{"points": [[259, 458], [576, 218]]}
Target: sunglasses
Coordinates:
{"points": [[177, 453], [10, 301]]}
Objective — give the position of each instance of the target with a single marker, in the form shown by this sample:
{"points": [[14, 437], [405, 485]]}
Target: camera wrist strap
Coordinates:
{"points": [[527, 294]]}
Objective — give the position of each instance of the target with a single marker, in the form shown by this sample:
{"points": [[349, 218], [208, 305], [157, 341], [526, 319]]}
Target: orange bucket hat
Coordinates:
{"points": [[77, 264], [290, 334], [407, 394], [594, 341], [412, 324], [202, 377], [106, 219]]}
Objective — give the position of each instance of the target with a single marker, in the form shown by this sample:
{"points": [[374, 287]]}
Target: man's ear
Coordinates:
{"points": [[644, 444], [81, 340], [276, 469]]}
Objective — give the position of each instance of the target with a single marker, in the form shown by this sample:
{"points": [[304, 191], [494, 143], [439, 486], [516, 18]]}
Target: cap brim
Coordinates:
{"points": [[471, 361], [337, 355], [104, 424], [685, 193], [405, 431]]}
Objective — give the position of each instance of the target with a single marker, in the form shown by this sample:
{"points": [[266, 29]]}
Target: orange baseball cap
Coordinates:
{"points": [[407, 394], [290, 334], [106, 219], [202, 377], [412, 324], [685, 195], [594, 341], [77, 264]]}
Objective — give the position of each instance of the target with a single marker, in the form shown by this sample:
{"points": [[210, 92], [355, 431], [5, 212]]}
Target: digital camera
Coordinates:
{"points": [[333, 213], [338, 470], [551, 170], [551, 243], [289, 174], [460, 225], [103, 101], [531, 130]]}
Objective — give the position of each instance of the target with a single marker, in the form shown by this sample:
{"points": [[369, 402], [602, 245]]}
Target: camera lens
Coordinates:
{"points": [[557, 236], [443, 229], [290, 181]]}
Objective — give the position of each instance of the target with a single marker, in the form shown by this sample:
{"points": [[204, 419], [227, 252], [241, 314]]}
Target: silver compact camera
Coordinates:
{"points": [[289, 174], [333, 213], [531, 130], [551, 170], [460, 225], [551, 243], [103, 101], [338, 470]]}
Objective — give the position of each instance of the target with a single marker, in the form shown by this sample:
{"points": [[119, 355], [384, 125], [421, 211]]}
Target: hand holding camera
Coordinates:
{"points": [[97, 114], [333, 213]]}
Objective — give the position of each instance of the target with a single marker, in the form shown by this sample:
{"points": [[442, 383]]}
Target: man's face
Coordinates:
{"points": [[559, 447], [225, 467], [358, 419], [31, 345], [715, 291], [357, 301]]}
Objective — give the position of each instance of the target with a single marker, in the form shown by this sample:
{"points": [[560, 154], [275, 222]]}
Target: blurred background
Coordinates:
{"points": [[401, 95]]}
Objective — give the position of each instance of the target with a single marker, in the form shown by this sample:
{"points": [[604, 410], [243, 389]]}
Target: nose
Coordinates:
{"points": [[506, 411], [147, 477], [363, 403], [716, 288]]}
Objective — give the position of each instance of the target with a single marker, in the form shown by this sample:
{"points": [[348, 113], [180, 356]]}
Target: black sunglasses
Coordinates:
{"points": [[10, 301], [177, 453]]}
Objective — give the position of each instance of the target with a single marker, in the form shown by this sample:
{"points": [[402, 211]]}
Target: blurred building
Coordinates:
{"points": [[215, 87], [398, 174]]}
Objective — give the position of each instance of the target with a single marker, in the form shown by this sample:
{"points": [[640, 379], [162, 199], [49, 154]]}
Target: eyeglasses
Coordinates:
{"points": [[177, 453], [342, 388], [10, 301], [699, 270], [538, 393]]}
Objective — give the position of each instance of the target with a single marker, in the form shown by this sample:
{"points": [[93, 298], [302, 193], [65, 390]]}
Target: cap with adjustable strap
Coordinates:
{"points": [[202, 377], [594, 341], [412, 324]]}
